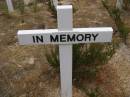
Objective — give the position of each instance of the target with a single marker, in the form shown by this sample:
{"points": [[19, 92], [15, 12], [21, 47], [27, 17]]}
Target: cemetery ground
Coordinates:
{"points": [[25, 72]]}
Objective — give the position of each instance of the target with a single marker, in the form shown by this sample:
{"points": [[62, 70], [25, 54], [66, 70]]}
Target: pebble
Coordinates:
{"points": [[31, 61], [1, 14]]}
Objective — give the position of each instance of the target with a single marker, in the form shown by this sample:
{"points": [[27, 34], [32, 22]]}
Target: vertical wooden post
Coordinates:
{"points": [[10, 5], [119, 4], [55, 2], [64, 14]]}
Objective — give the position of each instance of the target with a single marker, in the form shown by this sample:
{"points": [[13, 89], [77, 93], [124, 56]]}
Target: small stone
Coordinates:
{"points": [[31, 61], [1, 14]]}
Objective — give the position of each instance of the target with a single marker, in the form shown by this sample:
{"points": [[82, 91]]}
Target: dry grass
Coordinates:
{"points": [[24, 71]]}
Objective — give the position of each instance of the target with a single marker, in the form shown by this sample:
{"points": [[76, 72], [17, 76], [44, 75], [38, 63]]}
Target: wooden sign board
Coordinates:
{"points": [[53, 36]]}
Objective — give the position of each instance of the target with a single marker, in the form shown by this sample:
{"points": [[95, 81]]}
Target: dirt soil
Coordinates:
{"points": [[24, 71]]}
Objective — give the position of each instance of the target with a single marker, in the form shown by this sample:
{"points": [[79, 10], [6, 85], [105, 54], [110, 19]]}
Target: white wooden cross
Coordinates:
{"points": [[54, 2], [119, 4], [65, 36], [10, 6]]}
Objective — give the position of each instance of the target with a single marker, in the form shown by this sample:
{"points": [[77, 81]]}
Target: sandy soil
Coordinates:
{"points": [[24, 71]]}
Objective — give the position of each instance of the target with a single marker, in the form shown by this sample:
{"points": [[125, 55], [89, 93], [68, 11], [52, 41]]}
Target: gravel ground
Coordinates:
{"points": [[121, 63]]}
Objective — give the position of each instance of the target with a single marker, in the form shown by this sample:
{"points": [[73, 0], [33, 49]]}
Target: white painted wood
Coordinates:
{"points": [[65, 23], [119, 4], [104, 35], [65, 28], [55, 2], [10, 5]]}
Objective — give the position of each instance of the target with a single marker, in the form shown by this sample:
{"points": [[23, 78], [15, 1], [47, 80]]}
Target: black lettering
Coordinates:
{"points": [[95, 36], [63, 38], [71, 38], [33, 38], [38, 39], [54, 39], [87, 36], [80, 37]]}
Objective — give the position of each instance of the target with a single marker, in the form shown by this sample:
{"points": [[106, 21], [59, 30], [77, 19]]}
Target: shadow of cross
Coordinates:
{"points": [[65, 36]]}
